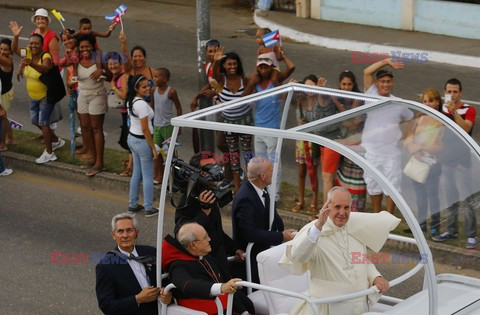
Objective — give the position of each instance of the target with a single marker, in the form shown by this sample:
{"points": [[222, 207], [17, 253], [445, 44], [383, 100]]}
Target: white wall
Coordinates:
{"points": [[432, 16]]}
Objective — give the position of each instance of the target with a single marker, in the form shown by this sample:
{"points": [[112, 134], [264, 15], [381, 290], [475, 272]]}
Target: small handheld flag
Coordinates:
{"points": [[59, 17], [270, 39], [117, 16], [14, 124]]}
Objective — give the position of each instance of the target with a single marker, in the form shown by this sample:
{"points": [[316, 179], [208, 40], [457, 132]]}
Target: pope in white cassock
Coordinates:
{"points": [[326, 246]]}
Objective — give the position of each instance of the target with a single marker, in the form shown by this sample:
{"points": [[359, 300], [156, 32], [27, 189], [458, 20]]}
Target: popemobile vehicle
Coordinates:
{"points": [[278, 291]]}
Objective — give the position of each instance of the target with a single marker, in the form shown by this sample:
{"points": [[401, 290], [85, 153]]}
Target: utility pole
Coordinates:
{"points": [[207, 138]]}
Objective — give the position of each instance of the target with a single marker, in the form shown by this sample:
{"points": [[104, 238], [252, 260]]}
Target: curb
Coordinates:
{"points": [[442, 252], [352, 45]]}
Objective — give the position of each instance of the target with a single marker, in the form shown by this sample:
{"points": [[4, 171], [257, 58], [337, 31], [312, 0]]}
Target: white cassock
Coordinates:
{"points": [[329, 260]]}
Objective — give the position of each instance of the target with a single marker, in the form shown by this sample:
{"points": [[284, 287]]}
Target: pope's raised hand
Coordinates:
{"points": [[323, 214]]}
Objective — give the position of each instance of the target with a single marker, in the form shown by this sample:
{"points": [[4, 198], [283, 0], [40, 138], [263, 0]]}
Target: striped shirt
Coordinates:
{"points": [[227, 95]]}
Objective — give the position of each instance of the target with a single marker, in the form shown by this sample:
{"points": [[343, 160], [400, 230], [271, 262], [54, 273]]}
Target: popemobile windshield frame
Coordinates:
{"points": [[301, 132]]}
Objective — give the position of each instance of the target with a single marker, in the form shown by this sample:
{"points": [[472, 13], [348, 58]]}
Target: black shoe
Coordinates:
{"points": [[136, 209], [151, 212], [444, 237]]}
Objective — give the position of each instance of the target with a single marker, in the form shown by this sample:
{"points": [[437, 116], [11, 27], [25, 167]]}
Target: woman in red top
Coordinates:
{"points": [[50, 38]]}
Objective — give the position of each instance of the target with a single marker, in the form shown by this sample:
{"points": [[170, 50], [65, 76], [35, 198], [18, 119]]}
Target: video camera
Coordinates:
{"points": [[190, 181]]}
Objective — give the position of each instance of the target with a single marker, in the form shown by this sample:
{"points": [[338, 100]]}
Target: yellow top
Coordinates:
{"points": [[35, 88]]}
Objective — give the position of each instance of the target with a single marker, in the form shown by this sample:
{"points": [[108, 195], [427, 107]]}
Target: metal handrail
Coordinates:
{"points": [[171, 286]]}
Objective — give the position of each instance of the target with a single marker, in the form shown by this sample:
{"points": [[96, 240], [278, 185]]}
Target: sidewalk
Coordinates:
{"points": [[370, 39]]}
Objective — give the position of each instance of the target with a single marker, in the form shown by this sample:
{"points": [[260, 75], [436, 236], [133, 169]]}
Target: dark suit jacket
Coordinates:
{"points": [[117, 285], [250, 219], [250, 222]]}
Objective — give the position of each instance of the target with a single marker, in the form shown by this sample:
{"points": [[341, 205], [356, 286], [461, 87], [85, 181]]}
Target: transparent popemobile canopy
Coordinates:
{"points": [[456, 164]]}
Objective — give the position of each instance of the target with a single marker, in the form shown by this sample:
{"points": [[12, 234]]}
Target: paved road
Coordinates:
{"points": [[43, 215]]}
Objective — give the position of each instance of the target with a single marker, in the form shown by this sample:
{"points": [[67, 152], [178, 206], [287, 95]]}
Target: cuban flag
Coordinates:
{"points": [[116, 17], [271, 38], [14, 124]]}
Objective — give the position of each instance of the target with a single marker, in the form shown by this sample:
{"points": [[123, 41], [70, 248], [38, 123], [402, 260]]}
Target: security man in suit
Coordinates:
{"points": [[251, 212], [126, 280]]}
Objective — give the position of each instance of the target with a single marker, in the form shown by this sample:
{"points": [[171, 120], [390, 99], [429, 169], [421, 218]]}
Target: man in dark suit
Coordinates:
{"points": [[126, 280], [251, 213], [199, 278]]}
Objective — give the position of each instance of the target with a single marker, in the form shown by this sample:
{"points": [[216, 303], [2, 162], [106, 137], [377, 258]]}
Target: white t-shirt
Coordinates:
{"points": [[382, 134], [140, 109]]}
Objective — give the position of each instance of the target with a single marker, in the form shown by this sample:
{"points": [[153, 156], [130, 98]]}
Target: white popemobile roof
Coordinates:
{"points": [[457, 143]]}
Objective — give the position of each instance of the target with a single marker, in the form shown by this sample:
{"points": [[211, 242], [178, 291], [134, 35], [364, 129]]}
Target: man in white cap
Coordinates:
{"points": [[267, 110], [382, 133], [334, 249]]}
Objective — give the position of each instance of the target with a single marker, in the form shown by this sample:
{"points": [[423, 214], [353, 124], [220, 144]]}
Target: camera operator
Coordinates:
{"points": [[204, 210]]}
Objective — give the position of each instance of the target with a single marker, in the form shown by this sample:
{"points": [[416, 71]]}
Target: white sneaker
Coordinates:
{"points": [[45, 157], [57, 145], [6, 172]]}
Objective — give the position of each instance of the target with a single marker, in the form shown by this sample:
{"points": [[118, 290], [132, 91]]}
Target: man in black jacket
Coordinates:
{"points": [[126, 280], [205, 211], [197, 275], [251, 213]]}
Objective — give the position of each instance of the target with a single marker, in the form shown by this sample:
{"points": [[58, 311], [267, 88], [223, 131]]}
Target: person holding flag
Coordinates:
{"points": [[267, 42]]}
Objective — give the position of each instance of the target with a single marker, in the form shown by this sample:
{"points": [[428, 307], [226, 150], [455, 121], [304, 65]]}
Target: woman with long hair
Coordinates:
{"points": [[118, 85], [136, 62], [307, 153], [91, 104], [424, 141], [228, 72], [140, 141], [349, 174]]}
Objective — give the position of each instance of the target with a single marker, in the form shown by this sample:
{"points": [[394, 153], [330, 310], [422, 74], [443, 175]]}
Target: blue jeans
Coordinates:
{"points": [[455, 173], [2, 166], [427, 197], [40, 112], [142, 170]]}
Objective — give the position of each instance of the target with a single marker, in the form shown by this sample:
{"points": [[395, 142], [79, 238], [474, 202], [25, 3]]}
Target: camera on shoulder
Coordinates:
{"points": [[188, 181]]}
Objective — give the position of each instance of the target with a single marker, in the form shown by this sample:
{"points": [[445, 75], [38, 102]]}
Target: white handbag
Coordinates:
{"points": [[417, 170], [113, 100]]}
